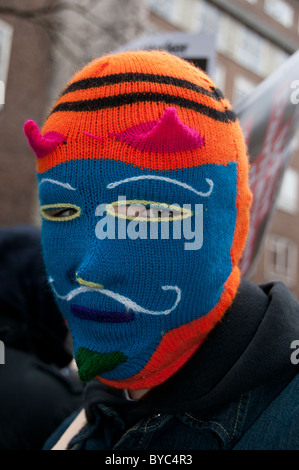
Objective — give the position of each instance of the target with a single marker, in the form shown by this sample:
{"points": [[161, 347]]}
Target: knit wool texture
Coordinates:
{"points": [[152, 128]]}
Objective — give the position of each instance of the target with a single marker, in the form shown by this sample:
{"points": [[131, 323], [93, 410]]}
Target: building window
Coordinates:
{"points": [[219, 76], [280, 260], [208, 18], [165, 9], [249, 48], [242, 87], [287, 199], [5, 48], [280, 11]]}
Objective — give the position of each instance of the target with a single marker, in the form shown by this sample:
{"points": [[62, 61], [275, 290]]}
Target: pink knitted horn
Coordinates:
{"points": [[168, 134], [42, 144]]}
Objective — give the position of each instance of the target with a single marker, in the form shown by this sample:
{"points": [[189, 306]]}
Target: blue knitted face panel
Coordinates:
{"points": [[132, 310]]}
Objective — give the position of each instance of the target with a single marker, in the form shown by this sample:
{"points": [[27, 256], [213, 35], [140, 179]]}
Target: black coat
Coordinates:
{"points": [[35, 395]]}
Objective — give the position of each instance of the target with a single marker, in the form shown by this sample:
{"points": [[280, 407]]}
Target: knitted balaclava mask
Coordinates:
{"points": [[141, 134]]}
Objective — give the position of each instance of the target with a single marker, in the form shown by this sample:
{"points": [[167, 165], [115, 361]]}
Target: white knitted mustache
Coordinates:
{"points": [[128, 303]]}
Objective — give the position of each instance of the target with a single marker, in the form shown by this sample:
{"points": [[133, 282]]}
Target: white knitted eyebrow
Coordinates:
{"points": [[167, 180], [59, 183]]}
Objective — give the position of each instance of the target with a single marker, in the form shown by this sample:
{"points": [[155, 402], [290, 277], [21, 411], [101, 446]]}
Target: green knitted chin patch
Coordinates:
{"points": [[91, 363]]}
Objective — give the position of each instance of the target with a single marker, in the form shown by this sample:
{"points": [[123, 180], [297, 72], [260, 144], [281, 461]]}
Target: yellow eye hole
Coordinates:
{"points": [[60, 212], [147, 211]]}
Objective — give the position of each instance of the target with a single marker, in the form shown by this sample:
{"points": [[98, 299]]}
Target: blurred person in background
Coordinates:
{"points": [[37, 388]]}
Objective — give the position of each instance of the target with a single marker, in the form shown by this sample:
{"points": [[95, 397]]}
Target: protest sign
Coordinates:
{"points": [[269, 117]]}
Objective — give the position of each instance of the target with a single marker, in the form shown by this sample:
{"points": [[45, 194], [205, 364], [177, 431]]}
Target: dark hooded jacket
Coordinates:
{"points": [[240, 390], [36, 395]]}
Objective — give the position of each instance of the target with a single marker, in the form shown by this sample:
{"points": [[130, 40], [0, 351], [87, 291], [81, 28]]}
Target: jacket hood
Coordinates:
{"points": [[248, 348]]}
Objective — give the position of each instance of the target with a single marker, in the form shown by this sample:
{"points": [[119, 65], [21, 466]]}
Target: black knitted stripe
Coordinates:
{"points": [[96, 82], [131, 98]]}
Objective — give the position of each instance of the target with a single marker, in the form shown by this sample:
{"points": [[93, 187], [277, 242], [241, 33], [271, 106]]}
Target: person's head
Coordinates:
{"points": [[141, 133]]}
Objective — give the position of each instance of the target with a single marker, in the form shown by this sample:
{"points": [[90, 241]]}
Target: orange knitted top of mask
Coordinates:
{"points": [[114, 94]]}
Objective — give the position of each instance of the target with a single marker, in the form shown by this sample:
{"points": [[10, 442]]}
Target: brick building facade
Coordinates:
{"points": [[26, 93]]}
